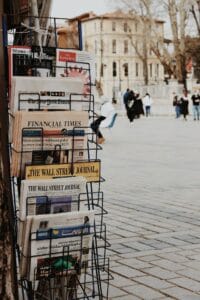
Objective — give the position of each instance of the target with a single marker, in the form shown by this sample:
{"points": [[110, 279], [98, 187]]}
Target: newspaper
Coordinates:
{"points": [[88, 169], [76, 64], [58, 243], [50, 196], [19, 58], [36, 93], [48, 137]]}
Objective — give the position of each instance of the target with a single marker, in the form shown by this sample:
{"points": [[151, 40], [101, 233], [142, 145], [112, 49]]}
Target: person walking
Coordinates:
{"points": [[184, 105], [130, 106], [106, 110], [147, 100], [177, 105], [196, 105], [138, 105]]}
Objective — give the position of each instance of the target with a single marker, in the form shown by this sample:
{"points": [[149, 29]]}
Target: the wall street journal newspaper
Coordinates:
{"points": [[91, 170], [51, 196]]}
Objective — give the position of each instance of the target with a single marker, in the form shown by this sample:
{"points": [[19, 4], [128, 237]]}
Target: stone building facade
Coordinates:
{"points": [[121, 44]]}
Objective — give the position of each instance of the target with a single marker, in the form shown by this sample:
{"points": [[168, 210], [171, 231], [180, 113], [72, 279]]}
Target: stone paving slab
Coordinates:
{"points": [[152, 197]]}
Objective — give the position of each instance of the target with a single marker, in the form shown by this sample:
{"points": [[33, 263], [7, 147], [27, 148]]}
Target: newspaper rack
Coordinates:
{"points": [[77, 274]]}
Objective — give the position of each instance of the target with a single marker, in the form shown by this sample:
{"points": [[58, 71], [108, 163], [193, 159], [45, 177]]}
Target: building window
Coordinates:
{"points": [[136, 26], [136, 47], [136, 69], [86, 46], [102, 46], [125, 27], [150, 70], [125, 70], [96, 69], [157, 70], [125, 46], [95, 27], [102, 67], [95, 47], [113, 26], [101, 25], [114, 44], [114, 69]]}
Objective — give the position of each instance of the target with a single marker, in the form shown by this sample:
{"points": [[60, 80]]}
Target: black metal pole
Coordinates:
{"points": [[7, 222]]}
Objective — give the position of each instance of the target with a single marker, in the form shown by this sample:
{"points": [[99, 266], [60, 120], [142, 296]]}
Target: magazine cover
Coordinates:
{"points": [[48, 93], [54, 239], [48, 138]]}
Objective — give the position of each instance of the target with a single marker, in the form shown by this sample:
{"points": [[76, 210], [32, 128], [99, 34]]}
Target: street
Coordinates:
{"points": [[152, 194]]}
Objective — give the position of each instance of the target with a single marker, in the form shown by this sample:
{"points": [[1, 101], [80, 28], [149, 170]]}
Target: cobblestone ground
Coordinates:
{"points": [[153, 200]]}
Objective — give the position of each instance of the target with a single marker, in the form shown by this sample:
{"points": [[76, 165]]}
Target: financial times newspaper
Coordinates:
{"points": [[36, 93], [56, 243], [47, 138]]}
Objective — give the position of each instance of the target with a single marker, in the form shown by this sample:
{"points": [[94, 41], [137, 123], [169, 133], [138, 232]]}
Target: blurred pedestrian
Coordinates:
{"points": [[177, 105], [196, 105], [138, 105], [147, 100], [107, 109], [130, 107], [184, 105]]}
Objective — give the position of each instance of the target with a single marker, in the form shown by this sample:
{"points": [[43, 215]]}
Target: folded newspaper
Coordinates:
{"points": [[56, 244], [76, 64], [36, 93], [50, 196], [48, 137]]}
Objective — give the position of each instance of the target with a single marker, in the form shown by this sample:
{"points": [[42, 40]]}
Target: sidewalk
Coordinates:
{"points": [[152, 197]]}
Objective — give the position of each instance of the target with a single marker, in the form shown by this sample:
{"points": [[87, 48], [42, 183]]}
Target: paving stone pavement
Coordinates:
{"points": [[152, 197]]}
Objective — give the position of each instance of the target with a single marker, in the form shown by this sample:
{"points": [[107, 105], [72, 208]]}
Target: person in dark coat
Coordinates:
{"points": [[138, 105], [130, 106], [184, 106]]}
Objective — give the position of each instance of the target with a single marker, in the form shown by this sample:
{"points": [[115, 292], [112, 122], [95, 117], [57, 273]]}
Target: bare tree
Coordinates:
{"points": [[177, 12], [195, 11]]}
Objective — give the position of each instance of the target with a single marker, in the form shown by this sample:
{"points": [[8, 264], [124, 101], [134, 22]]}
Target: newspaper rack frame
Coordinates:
{"points": [[97, 286]]}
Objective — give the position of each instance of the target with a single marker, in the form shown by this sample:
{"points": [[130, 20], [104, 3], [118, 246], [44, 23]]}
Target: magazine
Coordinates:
{"points": [[57, 243], [48, 137], [48, 93]]}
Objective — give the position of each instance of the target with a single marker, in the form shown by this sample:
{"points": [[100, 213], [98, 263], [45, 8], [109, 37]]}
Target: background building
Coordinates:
{"points": [[122, 45]]}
